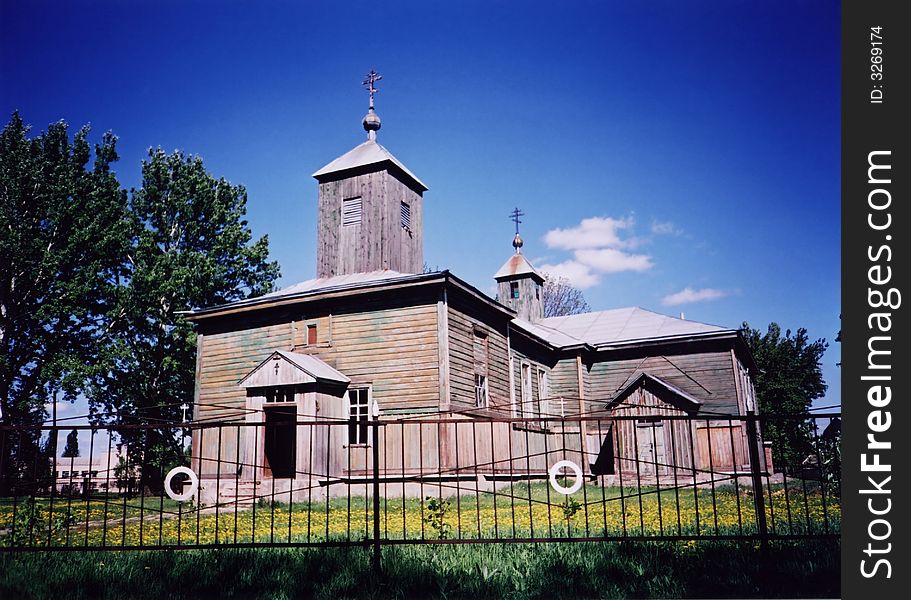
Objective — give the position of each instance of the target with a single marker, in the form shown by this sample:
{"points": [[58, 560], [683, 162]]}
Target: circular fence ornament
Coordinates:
{"points": [[194, 484], [555, 471]]}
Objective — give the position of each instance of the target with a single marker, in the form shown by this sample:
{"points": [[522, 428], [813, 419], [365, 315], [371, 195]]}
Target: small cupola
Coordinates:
{"points": [[519, 285]]}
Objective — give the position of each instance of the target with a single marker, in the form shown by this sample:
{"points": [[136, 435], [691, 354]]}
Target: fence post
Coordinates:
{"points": [[758, 493], [376, 492]]}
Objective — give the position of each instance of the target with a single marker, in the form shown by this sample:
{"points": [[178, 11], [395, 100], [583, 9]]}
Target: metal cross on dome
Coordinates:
{"points": [[372, 78], [514, 217]]}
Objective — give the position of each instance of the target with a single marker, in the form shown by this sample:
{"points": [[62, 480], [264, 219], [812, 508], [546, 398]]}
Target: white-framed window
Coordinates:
{"points": [[746, 384], [352, 210], [525, 393], [406, 216], [358, 416], [481, 399], [543, 393]]}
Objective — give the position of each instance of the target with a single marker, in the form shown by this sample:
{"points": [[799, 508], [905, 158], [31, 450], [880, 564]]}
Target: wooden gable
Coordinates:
{"points": [[291, 368], [659, 389]]}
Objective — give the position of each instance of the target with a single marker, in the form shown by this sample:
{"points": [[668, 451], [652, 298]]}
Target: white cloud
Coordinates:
{"points": [[611, 260], [665, 228], [597, 248], [578, 274], [594, 232], [688, 295]]}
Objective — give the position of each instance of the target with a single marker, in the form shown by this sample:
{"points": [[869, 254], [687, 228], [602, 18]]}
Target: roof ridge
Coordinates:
{"points": [[679, 319]]}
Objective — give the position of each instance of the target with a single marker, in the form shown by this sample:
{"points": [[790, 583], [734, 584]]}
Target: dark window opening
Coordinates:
{"points": [[358, 415], [280, 394], [514, 289], [281, 441]]}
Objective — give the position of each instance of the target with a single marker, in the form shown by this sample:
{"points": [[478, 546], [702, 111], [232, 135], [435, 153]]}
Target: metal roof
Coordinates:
{"points": [[314, 367], [304, 369], [627, 325], [368, 153], [552, 336], [339, 281], [517, 265]]}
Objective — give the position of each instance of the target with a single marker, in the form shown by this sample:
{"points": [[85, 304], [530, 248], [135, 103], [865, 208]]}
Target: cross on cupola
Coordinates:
{"points": [[372, 120], [372, 78], [514, 217]]}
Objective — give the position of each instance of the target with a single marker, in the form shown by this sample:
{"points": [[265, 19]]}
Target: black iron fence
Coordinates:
{"points": [[296, 481]]}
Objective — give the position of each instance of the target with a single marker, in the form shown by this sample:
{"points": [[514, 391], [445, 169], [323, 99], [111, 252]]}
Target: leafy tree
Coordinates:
{"points": [[191, 248], [789, 379], [62, 218], [71, 449], [561, 298]]}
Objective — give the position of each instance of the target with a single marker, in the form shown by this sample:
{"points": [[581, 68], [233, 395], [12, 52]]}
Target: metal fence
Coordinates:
{"points": [[290, 481]]}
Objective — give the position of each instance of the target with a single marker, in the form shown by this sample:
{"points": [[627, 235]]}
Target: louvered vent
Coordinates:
{"points": [[406, 216], [352, 209]]}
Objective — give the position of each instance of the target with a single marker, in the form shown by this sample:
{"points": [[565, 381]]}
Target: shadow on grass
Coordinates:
{"points": [[580, 570]]}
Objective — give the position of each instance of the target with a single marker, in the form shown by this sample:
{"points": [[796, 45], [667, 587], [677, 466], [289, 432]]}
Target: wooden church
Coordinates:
{"points": [[375, 335]]}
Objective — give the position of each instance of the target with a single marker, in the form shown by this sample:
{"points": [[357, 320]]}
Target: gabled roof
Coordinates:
{"points": [[515, 266], [339, 282], [348, 285], [624, 325], [368, 153], [292, 368], [660, 388]]}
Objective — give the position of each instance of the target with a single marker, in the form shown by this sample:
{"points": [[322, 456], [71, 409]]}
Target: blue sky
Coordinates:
{"points": [[679, 156]]}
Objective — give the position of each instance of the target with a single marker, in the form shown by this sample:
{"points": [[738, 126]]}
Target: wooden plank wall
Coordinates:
{"points": [[406, 250], [395, 350], [727, 445], [707, 376], [379, 241], [564, 379], [462, 360], [677, 433], [225, 358], [519, 358]]}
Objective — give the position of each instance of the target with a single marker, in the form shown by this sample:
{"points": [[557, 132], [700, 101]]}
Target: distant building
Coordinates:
{"points": [[95, 474]]}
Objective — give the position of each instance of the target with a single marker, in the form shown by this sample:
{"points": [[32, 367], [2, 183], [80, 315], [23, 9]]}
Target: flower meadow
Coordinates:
{"points": [[521, 511]]}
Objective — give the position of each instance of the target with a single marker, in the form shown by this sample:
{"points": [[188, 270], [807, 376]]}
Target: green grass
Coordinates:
{"points": [[578, 570]]}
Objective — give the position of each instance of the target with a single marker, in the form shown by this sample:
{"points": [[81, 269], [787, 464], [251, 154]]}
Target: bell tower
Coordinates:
{"points": [[519, 285], [370, 208]]}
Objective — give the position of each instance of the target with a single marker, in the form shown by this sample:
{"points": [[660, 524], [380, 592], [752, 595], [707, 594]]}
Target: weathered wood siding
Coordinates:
{"points": [[564, 378], [379, 241], [393, 350], [529, 305], [225, 358], [707, 376], [462, 358], [720, 445], [671, 443]]}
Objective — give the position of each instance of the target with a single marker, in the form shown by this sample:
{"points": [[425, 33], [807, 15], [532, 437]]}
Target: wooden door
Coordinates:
{"points": [[650, 443]]}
